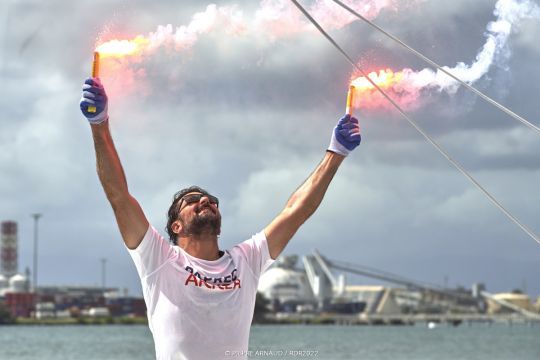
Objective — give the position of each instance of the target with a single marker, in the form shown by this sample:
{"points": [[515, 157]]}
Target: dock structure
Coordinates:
{"points": [[403, 319]]}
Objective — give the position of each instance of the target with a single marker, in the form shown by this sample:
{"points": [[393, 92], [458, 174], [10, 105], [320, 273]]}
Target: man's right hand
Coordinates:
{"points": [[346, 136], [94, 96]]}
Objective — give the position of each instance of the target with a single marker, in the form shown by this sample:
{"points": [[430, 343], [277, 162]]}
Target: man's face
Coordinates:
{"points": [[198, 214]]}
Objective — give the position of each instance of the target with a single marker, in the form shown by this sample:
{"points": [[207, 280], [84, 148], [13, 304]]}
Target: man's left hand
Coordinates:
{"points": [[94, 95]]}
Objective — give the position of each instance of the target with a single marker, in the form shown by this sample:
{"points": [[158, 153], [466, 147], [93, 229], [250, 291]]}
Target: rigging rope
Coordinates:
{"points": [[434, 64], [420, 130]]}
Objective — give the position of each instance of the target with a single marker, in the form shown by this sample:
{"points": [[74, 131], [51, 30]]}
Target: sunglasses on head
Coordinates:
{"points": [[193, 198]]}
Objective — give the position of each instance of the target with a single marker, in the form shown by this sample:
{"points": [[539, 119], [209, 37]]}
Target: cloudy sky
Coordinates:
{"points": [[244, 106]]}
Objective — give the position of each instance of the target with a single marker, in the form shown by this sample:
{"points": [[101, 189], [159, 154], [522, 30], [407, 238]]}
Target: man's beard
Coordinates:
{"points": [[208, 223]]}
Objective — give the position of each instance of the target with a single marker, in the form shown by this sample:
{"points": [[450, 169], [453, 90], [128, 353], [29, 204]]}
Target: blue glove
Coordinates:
{"points": [[346, 136], [94, 96]]}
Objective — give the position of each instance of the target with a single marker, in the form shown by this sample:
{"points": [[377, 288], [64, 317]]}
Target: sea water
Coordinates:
{"points": [[284, 342]]}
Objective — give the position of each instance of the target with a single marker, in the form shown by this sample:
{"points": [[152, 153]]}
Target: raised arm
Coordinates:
{"points": [[129, 215], [307, 198]]}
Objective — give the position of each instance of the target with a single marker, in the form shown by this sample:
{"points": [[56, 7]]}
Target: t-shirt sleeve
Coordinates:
{"points": [[152, 253], [256, 253]]}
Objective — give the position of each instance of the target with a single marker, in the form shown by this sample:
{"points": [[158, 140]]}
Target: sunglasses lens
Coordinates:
{"points": [[193, 198], [190, 199]]}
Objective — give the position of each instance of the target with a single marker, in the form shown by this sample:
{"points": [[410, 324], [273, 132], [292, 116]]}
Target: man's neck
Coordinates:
{"points": [[202, 247]]}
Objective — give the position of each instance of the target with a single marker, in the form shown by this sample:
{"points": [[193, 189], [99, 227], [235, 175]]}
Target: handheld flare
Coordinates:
{"points": [[350, 99], [95, 74]]}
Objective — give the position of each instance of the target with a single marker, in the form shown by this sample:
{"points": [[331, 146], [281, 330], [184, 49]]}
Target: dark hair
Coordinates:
{"points": [[172, 214]]}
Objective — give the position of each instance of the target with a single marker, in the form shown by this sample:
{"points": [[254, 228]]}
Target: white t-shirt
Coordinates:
{"points": [[200, 309]]}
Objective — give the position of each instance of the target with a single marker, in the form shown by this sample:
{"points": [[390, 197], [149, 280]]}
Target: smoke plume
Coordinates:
{"points": [[409, 87]]}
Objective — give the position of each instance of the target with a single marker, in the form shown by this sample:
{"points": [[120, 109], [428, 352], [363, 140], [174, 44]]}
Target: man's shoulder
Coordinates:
{"points": [[252, 241]]}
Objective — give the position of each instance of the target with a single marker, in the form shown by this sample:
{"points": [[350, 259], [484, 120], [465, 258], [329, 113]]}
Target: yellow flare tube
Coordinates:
{"points": [[95, 74], [350, 101]]}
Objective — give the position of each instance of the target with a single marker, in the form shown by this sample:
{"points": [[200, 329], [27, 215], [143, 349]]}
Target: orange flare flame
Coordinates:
{"points": [[384, 79], [120, 48], [402, 86]]}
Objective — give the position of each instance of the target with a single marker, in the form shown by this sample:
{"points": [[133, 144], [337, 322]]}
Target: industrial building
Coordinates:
{"points": [[10, 278], [497, 301], [23, 300], [14, 286], [320, 287], [314, 288], [8, 249]]}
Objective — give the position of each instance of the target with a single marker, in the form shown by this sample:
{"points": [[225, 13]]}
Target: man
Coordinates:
{"points": [[200, 300]]}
